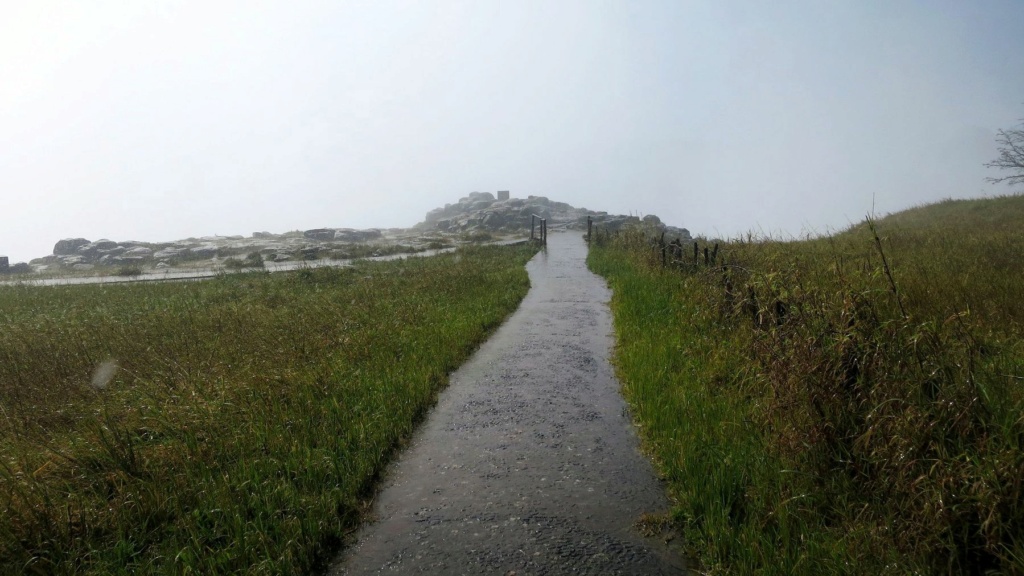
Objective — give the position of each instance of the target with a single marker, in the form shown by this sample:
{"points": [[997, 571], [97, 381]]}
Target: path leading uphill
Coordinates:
{"points": [[529, 463]]}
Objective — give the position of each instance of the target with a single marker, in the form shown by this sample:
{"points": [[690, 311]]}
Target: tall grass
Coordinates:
{"points": [[230, 426], [850, 404]]}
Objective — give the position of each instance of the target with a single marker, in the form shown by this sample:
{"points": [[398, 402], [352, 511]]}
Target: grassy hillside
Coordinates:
{"points": [[849, 404], [229, 426]]}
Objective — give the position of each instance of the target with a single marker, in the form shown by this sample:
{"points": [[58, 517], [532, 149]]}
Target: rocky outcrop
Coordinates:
{"points": [[68, 246], [481, 211], [211, 251], [451, 224]]}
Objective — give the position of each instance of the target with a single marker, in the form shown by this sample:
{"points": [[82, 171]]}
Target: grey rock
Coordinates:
{"points": [[168, 253], [204, 251], [138, 251], [68, 246], [93, 248], [71, 260], [350, 235], [477, 196], [319, 234]]}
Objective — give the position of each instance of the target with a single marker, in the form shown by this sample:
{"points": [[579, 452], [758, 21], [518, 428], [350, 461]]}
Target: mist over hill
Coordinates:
{"points": [[475, 217]]}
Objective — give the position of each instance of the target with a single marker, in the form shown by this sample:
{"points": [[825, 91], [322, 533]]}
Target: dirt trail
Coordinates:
{"points": [[529, 463]]}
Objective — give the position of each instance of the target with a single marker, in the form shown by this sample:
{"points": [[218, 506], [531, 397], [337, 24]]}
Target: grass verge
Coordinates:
{"points": [[850, 404], [235, 425]]}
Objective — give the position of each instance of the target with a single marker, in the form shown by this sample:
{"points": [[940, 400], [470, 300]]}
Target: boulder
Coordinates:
{"points": [[350, 235], [93, 248], [495, 219], [319, 234], [68, 246], [71, 260], [137, 252], [434, 215], [477, 196], [168, 253]]}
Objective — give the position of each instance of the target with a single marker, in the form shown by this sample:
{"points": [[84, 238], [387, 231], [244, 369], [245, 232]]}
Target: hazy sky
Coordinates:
{"points": [[159, 120]]}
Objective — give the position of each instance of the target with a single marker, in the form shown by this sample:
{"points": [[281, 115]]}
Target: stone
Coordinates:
{"points": [[350, 235], [71, 260], [502, 195], [319, 234], [434, 215], [93, 248], [168, 253], [5, 265], [138, 251], [68, 246], [495, 220]]}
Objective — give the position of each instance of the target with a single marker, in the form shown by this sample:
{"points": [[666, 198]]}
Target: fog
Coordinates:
{"points": [[161, 120]]}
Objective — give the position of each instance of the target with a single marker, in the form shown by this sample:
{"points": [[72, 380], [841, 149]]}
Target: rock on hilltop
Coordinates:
{"points": [[481, 211], [476, 216]]}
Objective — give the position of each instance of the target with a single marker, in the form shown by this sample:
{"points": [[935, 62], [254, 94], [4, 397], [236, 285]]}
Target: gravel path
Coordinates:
{"points": [[529, 463]]}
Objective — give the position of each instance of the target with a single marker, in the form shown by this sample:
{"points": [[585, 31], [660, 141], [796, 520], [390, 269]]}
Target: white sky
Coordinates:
{"points": [[159, 120]]}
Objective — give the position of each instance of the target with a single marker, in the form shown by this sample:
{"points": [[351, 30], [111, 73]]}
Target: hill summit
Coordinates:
{"points": [[484, 211], [478, 216]]}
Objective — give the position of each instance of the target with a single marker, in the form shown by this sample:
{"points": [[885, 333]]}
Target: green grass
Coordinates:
{"points": [[850, 404], [236, 425]]}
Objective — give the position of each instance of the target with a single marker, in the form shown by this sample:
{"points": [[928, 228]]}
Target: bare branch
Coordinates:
{"points": [[1011, 156]]}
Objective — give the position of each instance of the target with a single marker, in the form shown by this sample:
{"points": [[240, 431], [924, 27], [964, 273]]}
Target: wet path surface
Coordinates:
{"points": [[529, 463]]}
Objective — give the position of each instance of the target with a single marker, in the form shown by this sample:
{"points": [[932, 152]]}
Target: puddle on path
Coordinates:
{"points": [[529, 463]]}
